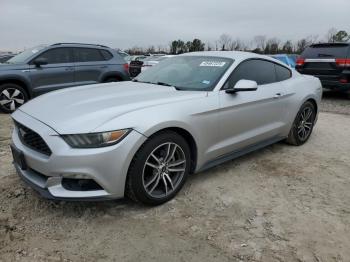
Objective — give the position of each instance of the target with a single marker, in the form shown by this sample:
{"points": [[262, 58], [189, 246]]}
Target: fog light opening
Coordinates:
{"points": [[80, 184]]}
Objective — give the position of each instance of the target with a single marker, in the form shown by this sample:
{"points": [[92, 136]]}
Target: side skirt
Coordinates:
{"points": [[239, 153]]}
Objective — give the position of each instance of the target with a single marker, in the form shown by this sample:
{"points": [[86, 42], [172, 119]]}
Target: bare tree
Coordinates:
{"points": [[331, 35], [272, 46], [225, 41], [209, 46], [260, 42]]}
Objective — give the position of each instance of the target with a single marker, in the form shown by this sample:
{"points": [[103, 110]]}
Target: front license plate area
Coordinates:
{"points": [[18, 157]]}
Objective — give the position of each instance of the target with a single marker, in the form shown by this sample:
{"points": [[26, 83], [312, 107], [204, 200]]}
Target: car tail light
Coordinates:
{"points": [[126, 67], [342, 62], [300, 61], [343, 80]]}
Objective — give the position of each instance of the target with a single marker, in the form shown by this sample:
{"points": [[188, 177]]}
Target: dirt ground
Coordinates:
{"points": [[281, 203]]}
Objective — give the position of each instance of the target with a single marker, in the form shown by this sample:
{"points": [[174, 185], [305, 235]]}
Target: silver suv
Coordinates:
{"points": [[46, 68]]}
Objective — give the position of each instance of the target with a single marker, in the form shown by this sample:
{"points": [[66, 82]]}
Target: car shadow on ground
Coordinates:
{"points": [[335, 95]]}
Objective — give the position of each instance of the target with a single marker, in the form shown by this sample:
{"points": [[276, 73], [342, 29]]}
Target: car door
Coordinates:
{"points": [[90, 63], [253, 117], [56, 74]]}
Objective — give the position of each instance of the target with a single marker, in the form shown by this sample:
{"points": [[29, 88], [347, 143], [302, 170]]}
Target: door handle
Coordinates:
{"points": [[278, 95]]}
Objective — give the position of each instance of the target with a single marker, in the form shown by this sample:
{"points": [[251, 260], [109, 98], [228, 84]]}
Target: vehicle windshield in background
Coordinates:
{"points": [[187, 72], [23, 57], [326, 51]]}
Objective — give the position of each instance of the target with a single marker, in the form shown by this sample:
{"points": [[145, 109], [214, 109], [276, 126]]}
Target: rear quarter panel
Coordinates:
{"points": [[302, 88]]}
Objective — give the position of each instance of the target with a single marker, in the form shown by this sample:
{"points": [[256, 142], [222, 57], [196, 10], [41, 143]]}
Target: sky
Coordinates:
{"points": [[125, 24]]}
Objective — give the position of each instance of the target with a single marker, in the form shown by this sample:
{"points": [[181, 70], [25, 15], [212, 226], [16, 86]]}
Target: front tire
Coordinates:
{"points": [[12, 96], [159, 169], [303, 125]]}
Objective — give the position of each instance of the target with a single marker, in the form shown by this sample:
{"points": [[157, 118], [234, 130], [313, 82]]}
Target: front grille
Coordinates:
{"points": [[32, 140]]}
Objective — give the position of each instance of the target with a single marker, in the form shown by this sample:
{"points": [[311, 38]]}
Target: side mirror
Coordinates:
{"points": [[40, 61], [243, 86]]}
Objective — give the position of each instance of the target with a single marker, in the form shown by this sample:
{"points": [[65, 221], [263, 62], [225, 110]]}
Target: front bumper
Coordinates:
{"points": [[107, 166]]}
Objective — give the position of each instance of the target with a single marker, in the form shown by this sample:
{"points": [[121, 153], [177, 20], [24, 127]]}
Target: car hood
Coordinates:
{"points": [[83, 109], [7, 67]]}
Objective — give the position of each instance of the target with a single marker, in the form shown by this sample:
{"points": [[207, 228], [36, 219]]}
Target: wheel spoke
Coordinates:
{"points": [[308, 115], [304, 133], [176, 169], [165, 185], [13, 106], [307, 125], [171, 155], [155, 184], [169, 180], [6, 94], [19, 101], [151, 165], [152, 180], [4, 102], [167, 152], [156, 158], [176, 163], [15, 93]]}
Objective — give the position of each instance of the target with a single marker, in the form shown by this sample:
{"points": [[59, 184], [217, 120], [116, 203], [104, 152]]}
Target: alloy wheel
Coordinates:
{"points": [[11, 99], [305, 123], [163, 170]]}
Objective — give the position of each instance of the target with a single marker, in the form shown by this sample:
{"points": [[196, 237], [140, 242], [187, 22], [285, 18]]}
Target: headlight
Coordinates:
{"points": [[93, 140]]}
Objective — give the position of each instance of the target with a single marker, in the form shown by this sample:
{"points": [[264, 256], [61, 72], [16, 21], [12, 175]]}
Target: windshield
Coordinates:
{"points": [[200, 73], [23, 57]]}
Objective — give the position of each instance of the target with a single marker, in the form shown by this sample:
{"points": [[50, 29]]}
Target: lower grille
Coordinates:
{"points": [[32, 140]]}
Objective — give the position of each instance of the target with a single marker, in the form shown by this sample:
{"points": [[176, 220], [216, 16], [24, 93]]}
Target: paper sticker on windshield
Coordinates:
{"points": [[206, 82], [212, 63], [35, 51]]}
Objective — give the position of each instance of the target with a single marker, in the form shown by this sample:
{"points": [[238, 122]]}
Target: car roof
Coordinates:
{"points": [[80, 45], [236, 55], [279, 55], [330, 44]]}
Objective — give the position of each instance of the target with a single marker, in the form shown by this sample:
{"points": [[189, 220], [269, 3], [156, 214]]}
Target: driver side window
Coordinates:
{"points": [[260, 71], [57, 56]]}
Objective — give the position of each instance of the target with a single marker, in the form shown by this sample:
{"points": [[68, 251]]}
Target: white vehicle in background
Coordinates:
{"points": [[153, 60]]}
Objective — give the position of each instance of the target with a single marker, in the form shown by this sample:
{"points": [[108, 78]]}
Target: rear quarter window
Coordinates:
{"points": [[282, 73], [106, 54], [326, 51], [88, 55]]}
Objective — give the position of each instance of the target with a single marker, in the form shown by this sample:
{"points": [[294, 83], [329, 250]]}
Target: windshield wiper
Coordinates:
{"points": [[166, 84], [162, 84], [157, 83]]}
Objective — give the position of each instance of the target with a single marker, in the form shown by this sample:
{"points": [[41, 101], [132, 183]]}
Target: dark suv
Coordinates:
{"points": [[329, 62], [46, 68]]}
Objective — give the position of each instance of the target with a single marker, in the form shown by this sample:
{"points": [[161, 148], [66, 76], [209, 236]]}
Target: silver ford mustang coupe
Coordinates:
{"points": [[142, 138]]}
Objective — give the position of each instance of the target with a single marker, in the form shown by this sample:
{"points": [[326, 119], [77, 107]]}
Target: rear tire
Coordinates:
{"points": [[12, 96], [159, 169], [303, 125]]}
